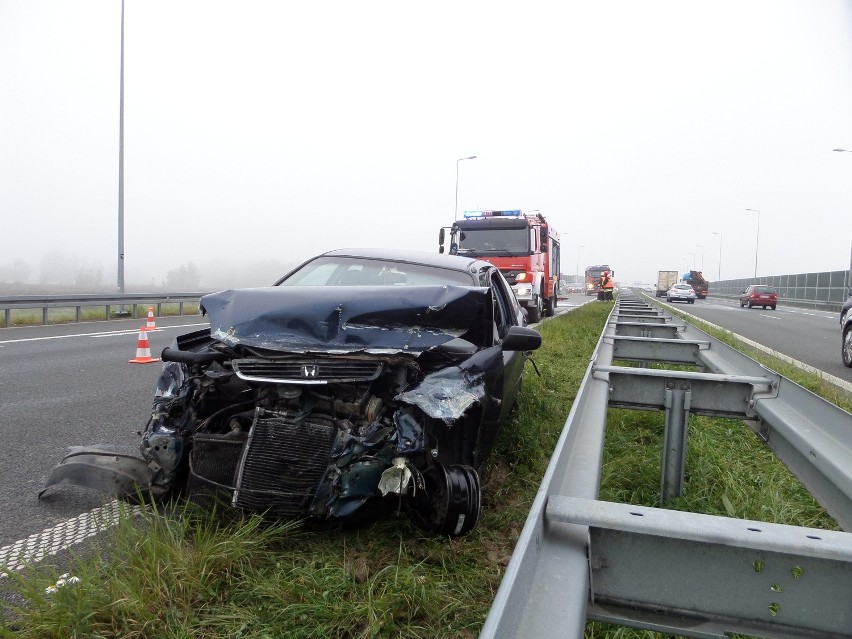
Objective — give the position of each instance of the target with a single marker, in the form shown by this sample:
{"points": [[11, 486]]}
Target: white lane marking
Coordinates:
{"points": [[70, 532], [117, 333], [774, 317]]}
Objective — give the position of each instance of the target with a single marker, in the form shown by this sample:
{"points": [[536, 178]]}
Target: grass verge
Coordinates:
{"points": [[67, 315]]}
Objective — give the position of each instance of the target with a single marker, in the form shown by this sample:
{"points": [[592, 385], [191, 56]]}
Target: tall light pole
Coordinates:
{"points": [[472, 157], [577, 274], [756, 240], [720, 254], [121, 163]]}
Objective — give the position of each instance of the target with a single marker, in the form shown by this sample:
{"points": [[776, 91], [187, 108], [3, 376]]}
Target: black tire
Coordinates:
{"points": [[534, 313], [772, 307], [846, 346], [550, 306], [749, 304], [691, 301], [742, 303]]}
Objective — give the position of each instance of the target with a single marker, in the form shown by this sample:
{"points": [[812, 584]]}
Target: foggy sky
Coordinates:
{"points": [[261, 133]]}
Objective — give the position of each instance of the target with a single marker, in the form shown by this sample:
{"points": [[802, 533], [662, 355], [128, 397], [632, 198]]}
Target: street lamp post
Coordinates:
{"points": [[120, 285], [720, 254], [577, 274], [472, 157], [756, 240]]}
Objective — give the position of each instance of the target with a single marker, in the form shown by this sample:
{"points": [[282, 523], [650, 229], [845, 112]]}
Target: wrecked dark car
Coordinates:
{"points": [[361, 382]]}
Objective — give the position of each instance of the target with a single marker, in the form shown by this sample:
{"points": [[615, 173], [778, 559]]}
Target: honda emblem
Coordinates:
{"points": [[310, 371]]}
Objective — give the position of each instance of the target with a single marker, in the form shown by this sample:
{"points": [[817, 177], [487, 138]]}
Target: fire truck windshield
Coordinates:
{"points": [[494, 241]]}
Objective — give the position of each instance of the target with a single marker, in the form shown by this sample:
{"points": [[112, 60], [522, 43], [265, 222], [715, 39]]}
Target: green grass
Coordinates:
{"points": [[187, 574]]}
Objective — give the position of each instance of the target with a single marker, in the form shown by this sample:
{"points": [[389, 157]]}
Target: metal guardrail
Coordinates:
{"points": [[108, 302], [580, 559]]}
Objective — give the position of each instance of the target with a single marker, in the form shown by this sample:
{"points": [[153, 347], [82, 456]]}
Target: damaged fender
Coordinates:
{"points": [[105, 470]]}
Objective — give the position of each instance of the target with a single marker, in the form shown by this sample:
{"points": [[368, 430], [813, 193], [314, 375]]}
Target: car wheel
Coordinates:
{"points": [[451, 500], [846, 347], [535, 311], [691, 301], [749, 304], [772, 307]]}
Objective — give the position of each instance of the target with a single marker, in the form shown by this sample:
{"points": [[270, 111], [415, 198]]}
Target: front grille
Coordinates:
{"points": [[283, 463], [306, 371]]}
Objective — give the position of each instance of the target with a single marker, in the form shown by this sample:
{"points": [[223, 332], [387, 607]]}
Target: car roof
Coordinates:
{"points": [[424, 258]]}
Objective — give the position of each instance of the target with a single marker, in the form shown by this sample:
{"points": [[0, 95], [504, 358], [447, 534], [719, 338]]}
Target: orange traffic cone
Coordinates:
{"points": [[151, 325], [143, 351]]}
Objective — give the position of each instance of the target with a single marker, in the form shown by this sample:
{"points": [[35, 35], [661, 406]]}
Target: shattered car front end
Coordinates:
{"points": [[324, 402]]}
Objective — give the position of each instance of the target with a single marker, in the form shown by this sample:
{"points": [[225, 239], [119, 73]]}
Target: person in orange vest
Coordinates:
{"points": [[606, 287]]}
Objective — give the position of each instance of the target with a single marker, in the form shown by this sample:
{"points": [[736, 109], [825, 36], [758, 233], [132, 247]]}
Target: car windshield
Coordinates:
{"points": [[683, 286], [356, 271]]}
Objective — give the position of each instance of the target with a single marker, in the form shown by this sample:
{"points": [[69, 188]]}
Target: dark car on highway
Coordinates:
{"points": [[363, 382], [844, 310], [759, 295], [846, 333]]}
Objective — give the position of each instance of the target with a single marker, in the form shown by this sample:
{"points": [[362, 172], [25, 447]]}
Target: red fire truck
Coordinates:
{"points": [[522, 245], [592, 285]]}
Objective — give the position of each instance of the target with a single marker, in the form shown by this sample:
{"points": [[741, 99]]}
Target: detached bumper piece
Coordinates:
{"points": [[104, 470]]}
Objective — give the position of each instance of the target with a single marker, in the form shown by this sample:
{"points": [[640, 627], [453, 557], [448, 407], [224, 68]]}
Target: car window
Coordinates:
{"points": [[352, 271], [504, 310], [764, 289]]}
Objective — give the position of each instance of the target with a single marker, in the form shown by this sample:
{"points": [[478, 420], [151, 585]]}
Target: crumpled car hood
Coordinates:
{"points": [[409, 319]]}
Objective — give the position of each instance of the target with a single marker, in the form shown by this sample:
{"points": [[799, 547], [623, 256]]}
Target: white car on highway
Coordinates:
{"points": [[681, 292]]}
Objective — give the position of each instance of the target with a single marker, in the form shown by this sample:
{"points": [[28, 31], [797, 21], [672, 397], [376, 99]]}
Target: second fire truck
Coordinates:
{"points": [[522, 245]]}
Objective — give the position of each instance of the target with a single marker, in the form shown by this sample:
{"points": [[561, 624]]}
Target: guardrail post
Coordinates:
{"points": [[678, 401], [44, 315]]}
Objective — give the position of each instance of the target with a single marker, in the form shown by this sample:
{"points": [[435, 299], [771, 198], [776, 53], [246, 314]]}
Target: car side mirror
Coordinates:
{"points": [[521, 338]]}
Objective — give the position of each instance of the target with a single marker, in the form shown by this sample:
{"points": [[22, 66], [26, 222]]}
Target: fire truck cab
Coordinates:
{"points": [[522, 245]]}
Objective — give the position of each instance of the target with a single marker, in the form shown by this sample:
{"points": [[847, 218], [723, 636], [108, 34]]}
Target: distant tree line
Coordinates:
{"points": [[58, 272]]}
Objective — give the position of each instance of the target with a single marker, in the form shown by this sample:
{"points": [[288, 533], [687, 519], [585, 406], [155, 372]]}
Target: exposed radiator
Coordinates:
{"points": [[283, 463], [277, 468]]}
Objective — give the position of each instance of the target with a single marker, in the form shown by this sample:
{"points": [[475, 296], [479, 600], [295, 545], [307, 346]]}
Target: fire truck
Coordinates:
{"points": [[592, 285], [522, 245]]}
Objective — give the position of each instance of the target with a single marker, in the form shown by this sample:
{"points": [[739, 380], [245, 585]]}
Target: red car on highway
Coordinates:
{"points": [[759, 295]]}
